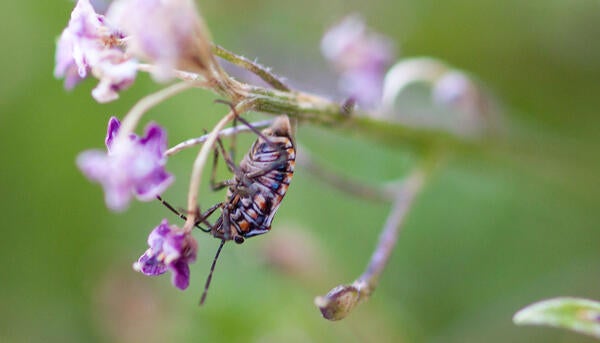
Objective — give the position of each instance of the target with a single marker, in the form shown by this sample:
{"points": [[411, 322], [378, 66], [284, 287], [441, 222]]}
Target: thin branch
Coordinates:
{"points": [[200, 80], [134, 115], [310, 108], [340, 301], [391, 230], [260, 71], [223, 133], [343, 183]]}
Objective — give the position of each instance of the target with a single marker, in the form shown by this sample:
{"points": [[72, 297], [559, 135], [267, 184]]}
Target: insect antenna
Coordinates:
{"points": [[179, 214], [210, 274]]}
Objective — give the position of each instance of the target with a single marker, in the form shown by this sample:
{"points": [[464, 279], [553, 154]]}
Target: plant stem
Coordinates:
{"points": [[260, 71], [313, 109], [391, 230], [132, 118], [310, 108], [341, 182], [342, 299], [223, 133]]}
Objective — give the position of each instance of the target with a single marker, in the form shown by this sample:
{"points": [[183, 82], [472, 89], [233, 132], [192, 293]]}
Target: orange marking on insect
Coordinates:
{"points": [[252, 213], [244, 225]]}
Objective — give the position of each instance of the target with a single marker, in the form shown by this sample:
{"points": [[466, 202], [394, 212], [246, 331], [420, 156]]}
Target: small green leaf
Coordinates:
{"points": [[580, 315]]}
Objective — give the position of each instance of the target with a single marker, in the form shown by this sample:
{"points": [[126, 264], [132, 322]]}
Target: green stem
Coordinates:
{"points": [[310, 108], [261, 71], [316, 110]]}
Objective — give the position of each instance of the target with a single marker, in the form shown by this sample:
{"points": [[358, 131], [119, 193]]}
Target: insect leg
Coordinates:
{"points": [[258, 133], [210, 274], [182, 216], [203, 216], [244, 121], [214, 185], [273, 166]]}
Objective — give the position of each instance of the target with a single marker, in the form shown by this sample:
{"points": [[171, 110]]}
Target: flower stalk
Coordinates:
{"points": [[342, 299], [133, 117], [228, 132]]}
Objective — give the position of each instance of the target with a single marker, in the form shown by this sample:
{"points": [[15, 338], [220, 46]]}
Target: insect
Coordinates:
{"points": [[256, 190], [258, 185]]}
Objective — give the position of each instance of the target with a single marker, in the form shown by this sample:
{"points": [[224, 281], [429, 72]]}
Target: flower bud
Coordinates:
{"points": [[339, 302]]}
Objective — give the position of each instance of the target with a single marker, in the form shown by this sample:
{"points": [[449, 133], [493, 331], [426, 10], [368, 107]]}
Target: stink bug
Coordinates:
{"points": [[256, 190], [258, 185]]}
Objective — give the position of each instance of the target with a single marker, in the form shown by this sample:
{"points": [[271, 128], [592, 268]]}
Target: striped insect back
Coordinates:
{"points": [[259, 184], [254, 193]]}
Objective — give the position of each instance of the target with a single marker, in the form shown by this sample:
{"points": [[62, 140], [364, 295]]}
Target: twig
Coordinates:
{"points": [[343, 183], [306, 107], [134, 115], [223, 133], [199, 79], [260, 71], [340, 301]]}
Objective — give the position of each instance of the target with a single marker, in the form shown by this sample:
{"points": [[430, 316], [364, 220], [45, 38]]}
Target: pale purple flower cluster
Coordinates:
{"points": [[167, 33], [170, 249], [134, 166], [360, 56], [90, 45]]}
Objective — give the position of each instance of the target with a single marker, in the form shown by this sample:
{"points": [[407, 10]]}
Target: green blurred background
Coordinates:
{"points": [[492, 231]]}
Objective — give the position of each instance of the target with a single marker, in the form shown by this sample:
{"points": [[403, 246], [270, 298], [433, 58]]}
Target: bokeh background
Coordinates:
{"points": [[493, 231]]}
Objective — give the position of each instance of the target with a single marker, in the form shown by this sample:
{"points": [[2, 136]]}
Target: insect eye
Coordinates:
{"points": [[239, 239]]}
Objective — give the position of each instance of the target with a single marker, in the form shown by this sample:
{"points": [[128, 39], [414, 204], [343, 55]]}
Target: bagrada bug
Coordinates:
{"points": [[256, 190]]}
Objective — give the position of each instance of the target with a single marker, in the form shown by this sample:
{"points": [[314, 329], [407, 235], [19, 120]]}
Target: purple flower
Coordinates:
{"points": [[134, 166], [90, 45], [171, 249], [360, 56], [168, 33]]}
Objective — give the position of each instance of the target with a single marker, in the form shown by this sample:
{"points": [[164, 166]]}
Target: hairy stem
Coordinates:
{"points": [[311, 108], [260, 71]]}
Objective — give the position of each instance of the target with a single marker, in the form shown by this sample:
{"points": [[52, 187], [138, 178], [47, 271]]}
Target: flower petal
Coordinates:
{"points": [[149, 265], [111, 131], [181, 274], [131, 167]]}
